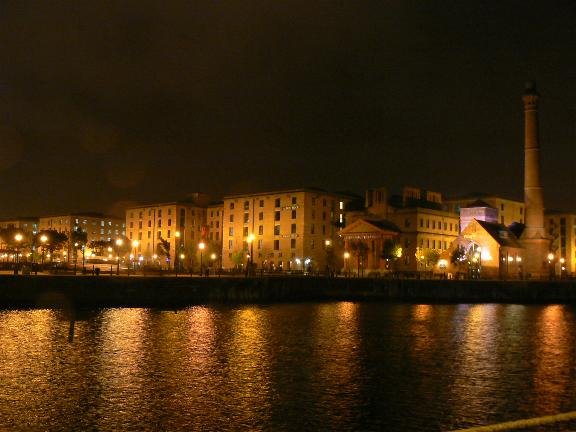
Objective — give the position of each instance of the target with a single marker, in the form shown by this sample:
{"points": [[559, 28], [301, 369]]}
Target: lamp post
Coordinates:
{"points": [[250, 240], [327, 244], [75, 256], [551, 265], [18, 238], [176, 251], [119, 242], [201, 246], [213, 259], [135, 244], [562, 267], [346, 258], [182, 257], [43, 239]]}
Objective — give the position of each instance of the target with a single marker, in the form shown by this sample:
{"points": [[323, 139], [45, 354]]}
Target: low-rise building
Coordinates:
{"points": [[509, 210], [561, 226]]}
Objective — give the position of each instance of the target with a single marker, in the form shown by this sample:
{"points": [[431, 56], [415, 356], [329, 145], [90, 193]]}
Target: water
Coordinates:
{"points": [[315, 366]]}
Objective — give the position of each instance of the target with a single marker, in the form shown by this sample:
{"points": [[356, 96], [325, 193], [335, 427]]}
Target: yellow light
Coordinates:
{"points": [[399, 253], [562, 260], [155, 256], [18, 237], [135, 243], [510, 258], [327, 242], [177, 233], [201, 245], [550, 256], [213, 256], [250, 238], [346, 255], [109, 249], [518, 259], [119, 242], [43, 238]]}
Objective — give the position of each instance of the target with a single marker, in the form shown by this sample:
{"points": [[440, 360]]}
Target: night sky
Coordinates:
{"points": [[104, 103]]}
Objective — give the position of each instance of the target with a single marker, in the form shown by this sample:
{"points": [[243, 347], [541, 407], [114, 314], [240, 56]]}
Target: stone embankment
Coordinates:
{"points": [[93, 291]]}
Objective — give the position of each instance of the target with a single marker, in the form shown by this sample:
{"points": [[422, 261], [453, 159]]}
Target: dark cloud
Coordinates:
{"points": [[141, 100]]}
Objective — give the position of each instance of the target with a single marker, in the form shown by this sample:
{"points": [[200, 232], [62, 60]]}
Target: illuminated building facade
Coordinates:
{"points": [[181, 224], [561, 227], [26, 225], [285, 230], [509, 210]]}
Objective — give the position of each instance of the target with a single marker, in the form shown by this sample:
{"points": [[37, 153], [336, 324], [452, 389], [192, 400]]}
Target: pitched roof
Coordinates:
{"points": [[478, 203], [500, 233]]}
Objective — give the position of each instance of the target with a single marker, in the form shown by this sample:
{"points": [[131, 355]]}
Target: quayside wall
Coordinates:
{"points": [[98, 291]]}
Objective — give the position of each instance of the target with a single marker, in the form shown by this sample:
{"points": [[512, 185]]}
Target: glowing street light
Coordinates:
{"points": [[43, 239], [18, 237], [250, 241], [201, 246], [119, 243], [346, 258]]}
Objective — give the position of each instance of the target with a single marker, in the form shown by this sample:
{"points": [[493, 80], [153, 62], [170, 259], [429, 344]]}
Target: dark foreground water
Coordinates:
{"points": [[327, 366]]}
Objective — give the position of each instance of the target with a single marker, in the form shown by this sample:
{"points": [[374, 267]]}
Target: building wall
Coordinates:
{"points": [[423, 230], [288, 227], [562, 229], [183, 225], [27, 225], [96, 227], [509, 211]]}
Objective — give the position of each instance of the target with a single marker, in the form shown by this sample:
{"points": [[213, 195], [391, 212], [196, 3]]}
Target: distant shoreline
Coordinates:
{"points": [[173, 292]]}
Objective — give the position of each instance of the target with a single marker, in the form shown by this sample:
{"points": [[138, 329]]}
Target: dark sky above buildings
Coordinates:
{"points": [[107, 102]]}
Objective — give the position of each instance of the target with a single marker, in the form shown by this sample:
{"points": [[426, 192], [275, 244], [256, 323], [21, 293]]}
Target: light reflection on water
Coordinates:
{"points": [[314, 366]]}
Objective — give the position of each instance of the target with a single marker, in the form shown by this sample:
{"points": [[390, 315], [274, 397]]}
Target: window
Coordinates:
{"points": [[140, 224], [139, 236], [231, 218], [159, 213], [261, 230], [293, 214], [276, 215], [261, 203], [323, 229], [149, 223], [246, 205], [427, 223], [293, 228], [260, 241], [159, 223], [293, 200], [421, 223], [323, 215], [450, 227], [341, 205], [445, 226], [230, 244], [261, 216], [312, 229], [312, 244], [433, 224], [245, 232], [293, 243], [169, 222], [159, 234], [231, 206], [502, 207], [168, 233], [246, 217], [277, 202], [231, 231], [276, 244], [149, 234], [140, 215], [276, 229], [169, 211], [217, 224], [131, 224], [212, 213]]}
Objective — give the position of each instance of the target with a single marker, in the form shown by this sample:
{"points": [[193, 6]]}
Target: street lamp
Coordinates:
{"points": [[346, 257], [18, 238], [562, 267], [213, 258], [43, 239], [551, 265], [75, 256], [176, 250], [250, 240], [119, 242], [327, 244], [135, 244], [201, 246]]}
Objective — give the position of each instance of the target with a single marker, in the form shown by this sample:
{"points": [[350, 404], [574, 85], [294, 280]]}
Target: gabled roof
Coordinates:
{"points": [[478, 203], [371, 225], [500, 233]]}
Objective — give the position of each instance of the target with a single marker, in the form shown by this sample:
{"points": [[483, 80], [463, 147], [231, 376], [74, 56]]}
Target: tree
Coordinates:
{"points": [[163, 248], [359, 249], [55, 240], [391, 251], [238, 258], [432, 256]]}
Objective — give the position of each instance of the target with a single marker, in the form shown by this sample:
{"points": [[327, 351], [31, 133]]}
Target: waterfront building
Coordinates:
{"points": [[283, 230], [365, 241], [561, 227], [28, 225], [167, 234], [487, 250]]}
